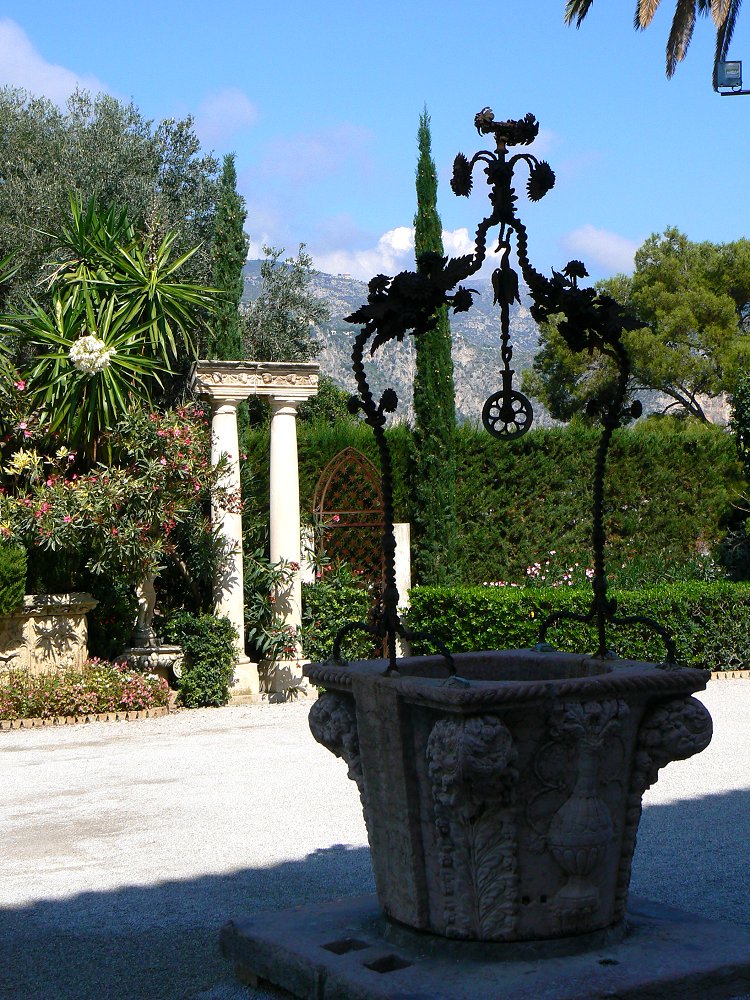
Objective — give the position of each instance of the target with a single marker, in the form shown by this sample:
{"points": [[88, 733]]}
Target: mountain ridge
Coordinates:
{"points": [[476, 343]]}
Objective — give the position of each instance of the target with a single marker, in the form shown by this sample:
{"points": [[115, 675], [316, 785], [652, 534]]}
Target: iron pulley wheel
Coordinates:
{"points": [[507, 414]]}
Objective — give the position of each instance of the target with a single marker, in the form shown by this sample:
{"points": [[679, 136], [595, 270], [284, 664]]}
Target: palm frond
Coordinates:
{"points": [[719, 11], [576, 10], [724, 37], [680, 34], [644, 13]]}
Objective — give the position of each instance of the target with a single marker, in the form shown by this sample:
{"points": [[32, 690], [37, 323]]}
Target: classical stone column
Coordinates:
{"points": [[229, 594], [285, 532], [402, 534]]}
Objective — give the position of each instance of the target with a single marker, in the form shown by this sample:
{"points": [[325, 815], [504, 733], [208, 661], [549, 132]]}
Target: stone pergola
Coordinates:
{"points": [[285, 385]]}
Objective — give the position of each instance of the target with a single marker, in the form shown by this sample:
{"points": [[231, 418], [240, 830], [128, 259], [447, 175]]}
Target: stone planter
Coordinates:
{"points": [[48, 633], [504, 807]]}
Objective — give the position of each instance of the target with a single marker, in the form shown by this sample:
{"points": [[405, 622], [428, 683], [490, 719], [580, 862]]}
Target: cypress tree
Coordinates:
{"points": [[434, 400], [229, 252]]}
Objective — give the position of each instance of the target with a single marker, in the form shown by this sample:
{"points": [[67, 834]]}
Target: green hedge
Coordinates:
{"points": [[317, 444], [327, 607], [709, 621], [12, 577], [671, 492], [210, 657]]}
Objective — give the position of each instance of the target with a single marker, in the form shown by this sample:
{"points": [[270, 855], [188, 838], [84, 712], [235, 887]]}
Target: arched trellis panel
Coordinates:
{"points": [[348, 503]]}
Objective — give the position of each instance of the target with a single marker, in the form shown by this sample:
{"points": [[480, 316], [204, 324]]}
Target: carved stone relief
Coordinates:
{"points": [[505, 809], [48, 633], [470, 763], [570, 818], [676, 730], [215, 377], [333, 723]]}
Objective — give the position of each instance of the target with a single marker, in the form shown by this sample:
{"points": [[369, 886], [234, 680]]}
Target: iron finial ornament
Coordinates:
{"points": [[587, 320]]}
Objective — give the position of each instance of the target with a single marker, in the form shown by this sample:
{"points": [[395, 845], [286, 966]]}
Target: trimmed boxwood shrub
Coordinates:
{"points": [[709, 621], [326, 607], [12, 577], [210, 657]]}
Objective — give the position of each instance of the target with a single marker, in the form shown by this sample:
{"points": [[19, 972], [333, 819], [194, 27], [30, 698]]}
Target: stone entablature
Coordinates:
{"points": [[242, 379], [49, 632]]}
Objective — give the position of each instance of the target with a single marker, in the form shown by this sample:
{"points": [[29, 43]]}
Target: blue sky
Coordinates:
{"points": [[321, 103]]}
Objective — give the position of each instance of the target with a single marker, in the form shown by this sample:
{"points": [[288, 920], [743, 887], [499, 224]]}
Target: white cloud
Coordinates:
{"points": [[21, 65], [222, 114], [393, 252], [609, 251], [313, 155]]}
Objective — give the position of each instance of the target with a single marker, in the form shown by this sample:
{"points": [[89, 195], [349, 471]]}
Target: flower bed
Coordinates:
{"points": [[99, 687]]}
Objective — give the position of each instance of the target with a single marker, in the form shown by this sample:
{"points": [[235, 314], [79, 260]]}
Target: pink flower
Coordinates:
{"points": [[162, 461], [67, 519], [23, 425], [20, 385], [335, 518]]}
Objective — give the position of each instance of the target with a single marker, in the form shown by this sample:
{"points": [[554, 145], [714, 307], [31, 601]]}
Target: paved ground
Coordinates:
{"points": [[125, 846]]}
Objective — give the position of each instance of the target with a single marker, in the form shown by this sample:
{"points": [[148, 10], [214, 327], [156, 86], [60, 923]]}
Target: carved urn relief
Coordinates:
{"points": [[503, 804]]}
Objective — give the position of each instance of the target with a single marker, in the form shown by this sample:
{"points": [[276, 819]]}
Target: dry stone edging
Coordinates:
{"points": [[72, 720]]}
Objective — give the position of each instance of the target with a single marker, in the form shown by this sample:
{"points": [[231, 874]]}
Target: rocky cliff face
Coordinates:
{"points": [[476, 343]]}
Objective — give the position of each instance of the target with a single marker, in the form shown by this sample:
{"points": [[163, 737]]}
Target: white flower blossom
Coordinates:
{"points": [[89, 354]]}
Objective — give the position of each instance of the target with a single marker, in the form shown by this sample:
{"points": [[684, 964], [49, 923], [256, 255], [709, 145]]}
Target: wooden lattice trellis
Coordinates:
{"points": [[349, 504]]}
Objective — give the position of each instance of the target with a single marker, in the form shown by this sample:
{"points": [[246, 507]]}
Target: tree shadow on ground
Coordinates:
{"points": [[160, 942]]}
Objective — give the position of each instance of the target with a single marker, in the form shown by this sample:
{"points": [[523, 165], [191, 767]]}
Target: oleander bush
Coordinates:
{"points": [[710, 622], [99, 686], [210, 657]]}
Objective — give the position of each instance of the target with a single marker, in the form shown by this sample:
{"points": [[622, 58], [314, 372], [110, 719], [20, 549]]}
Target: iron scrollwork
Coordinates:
{"points": [[587, 320]]}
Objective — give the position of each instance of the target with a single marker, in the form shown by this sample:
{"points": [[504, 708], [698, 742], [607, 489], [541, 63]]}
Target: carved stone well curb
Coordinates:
{"points": [[503, 805]]}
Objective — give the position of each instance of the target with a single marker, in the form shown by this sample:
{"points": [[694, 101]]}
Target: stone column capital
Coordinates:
{"points": [[225, 404], [290, 404]]}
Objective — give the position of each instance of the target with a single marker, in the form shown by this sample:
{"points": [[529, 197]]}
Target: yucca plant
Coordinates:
{"points": [[89, 362], [119, 320], [102, 251]]}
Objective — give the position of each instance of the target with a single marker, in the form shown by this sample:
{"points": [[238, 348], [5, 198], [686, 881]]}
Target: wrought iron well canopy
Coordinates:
{"points": [[587, 319]]}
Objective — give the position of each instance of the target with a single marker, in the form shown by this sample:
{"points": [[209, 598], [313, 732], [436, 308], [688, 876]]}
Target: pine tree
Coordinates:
{"points": [[229, 250], [434, 400]]}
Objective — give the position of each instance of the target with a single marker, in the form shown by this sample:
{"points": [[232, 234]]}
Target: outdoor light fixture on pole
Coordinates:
{"points": [[729, 75]]}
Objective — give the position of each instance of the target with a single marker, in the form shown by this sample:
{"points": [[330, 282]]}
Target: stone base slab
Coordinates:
{"points": [[285, 680], [346, 950], [245, 679]]}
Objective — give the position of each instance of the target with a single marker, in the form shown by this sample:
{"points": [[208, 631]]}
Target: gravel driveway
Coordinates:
{"points": [[126, 846]]}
